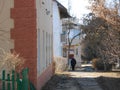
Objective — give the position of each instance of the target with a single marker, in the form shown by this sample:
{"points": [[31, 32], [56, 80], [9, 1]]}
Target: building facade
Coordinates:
{"points": [[59, 12], [57, 30], [71, 25], [26, 27]]}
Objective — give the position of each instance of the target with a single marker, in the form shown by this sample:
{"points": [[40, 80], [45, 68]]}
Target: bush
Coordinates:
{"points": [[9, 61], [60, 64], [94, 61], [100, 65]]}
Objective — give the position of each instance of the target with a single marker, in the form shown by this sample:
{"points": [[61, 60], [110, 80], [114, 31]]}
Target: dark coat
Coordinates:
{"points": [[73, 62]]}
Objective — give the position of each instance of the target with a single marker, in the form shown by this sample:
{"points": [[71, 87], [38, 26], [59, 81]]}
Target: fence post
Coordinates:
{"points": [[25, 80], [18, 82], [13, 80], [3, 80], [8, 82]]}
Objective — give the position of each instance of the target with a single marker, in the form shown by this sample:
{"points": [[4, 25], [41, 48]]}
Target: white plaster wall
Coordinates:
{"points": [[6, 24], [44, 34], [57, 29]]}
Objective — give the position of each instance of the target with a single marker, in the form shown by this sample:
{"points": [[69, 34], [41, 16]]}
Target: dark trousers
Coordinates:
{"points": [[73, 67]]}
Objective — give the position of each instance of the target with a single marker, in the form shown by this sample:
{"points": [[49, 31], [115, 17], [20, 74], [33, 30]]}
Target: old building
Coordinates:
{"points": [[71, 25], [59, 12], [26, 27]]}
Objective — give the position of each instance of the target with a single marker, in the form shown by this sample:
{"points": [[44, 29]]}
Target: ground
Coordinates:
{"points": [[84, 79], [108, 83]]}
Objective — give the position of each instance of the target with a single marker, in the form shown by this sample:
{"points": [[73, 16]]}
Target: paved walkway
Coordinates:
{"points": [[81, 79], [77, 80], [89, 84], [67, 85]]}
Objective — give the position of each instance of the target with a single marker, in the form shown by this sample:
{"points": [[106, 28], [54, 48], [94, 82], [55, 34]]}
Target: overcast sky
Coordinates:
{"points": [[78, 7]]}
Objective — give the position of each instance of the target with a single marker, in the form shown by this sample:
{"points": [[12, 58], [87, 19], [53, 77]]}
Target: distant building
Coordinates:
{"points": [[59, 12], [75, 49]]}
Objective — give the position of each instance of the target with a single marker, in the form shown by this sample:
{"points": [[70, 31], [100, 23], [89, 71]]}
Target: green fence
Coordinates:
{"points": [[14, 82]]}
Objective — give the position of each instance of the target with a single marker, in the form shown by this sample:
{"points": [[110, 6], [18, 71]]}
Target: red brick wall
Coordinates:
{"points": [[24, 34]]}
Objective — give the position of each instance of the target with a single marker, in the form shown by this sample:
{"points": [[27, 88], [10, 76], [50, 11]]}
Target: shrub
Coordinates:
{"points": [[101, 65], [60, 64], [94, 61], [9, 61]]}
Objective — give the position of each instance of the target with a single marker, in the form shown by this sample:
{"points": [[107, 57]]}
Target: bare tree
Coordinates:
{"points": [[71, 24], [102, 28]]}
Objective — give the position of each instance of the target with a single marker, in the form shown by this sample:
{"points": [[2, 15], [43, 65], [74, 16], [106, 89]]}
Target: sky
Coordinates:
{"points": [[78, 7]]}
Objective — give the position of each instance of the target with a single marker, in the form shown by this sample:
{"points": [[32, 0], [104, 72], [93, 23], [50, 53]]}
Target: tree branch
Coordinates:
{"points": [[75, 37]]}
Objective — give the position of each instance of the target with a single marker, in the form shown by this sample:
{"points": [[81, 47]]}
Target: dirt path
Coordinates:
{"points": [[79, 80], [62, 82]]}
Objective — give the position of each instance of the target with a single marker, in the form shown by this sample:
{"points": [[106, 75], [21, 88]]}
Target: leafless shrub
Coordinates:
{"points": [[102, 29], [9, 61], [60, 64]]}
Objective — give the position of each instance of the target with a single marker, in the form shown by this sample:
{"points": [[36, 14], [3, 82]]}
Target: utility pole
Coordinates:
{"points": [[68, 33], [69, 6]]}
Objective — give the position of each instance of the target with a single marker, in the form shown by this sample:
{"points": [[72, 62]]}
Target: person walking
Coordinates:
{"points": [[73, 63]]}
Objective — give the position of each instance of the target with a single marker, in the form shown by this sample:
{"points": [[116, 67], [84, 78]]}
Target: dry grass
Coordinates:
{"points": [[60, 64], [9, 61]]}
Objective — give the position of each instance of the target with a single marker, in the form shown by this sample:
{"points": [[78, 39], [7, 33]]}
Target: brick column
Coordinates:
{"points": [[24, 34]]}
